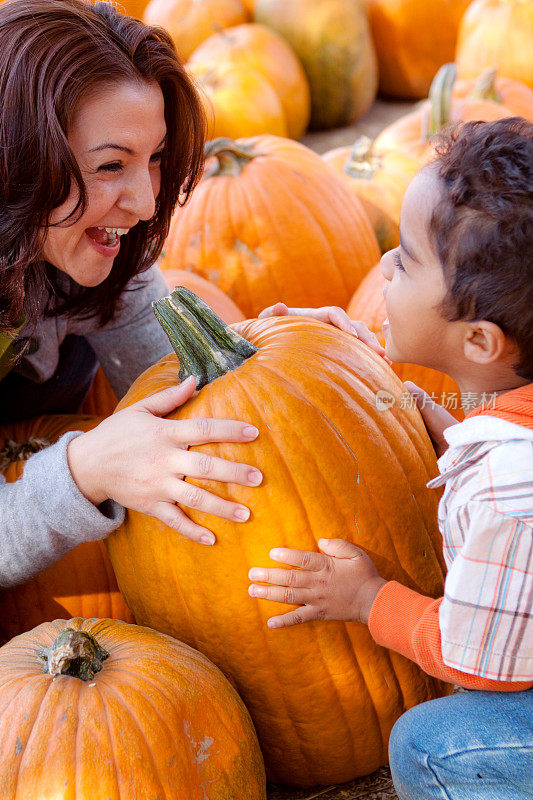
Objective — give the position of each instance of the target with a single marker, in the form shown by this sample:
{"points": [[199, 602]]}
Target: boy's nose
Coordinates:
{"points": [[387, 266]]}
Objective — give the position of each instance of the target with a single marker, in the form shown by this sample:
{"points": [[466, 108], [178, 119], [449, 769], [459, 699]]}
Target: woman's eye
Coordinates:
{"points": [[398, 261], [157, 157], [114, 167]]}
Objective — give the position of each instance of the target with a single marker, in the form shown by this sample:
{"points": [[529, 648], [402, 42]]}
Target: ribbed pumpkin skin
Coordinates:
{"points": [[158, 721], [512, 94], [413, 38], [285, 229], [82, 583], [380, 193], [323, 696], [256, 47], [332, 40], [368, 305], [497, 34]]}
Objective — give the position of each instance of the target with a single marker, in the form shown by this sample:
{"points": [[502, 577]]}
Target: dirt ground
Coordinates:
{"points": [[380, 114]]}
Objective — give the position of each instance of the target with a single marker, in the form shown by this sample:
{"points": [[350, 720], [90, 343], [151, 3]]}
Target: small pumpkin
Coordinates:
{"points": [[271, 221], [82, 582], [332, 40], [379, 183], [413, 38], [496, 34], [513, 94], [368, 305], [189, 22], [256, 47], [323, 696], [238, 101], [95, 708], [412, 134]]}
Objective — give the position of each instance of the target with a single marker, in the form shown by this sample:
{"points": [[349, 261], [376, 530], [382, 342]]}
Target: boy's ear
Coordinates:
{"points": [[486, 343]]}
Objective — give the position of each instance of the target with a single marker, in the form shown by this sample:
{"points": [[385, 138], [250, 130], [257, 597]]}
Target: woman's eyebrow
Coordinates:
{"points": [[112, 146]]}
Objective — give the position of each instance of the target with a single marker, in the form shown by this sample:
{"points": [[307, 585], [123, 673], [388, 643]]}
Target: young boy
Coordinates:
{"points": [[459, 298]]}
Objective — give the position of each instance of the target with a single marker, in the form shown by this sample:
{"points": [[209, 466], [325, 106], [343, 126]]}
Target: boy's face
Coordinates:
{"points": [[414, 331]]}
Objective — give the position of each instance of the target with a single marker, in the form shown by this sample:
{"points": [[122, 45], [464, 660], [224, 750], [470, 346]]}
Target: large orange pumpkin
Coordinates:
{"points": [[379, 183], [498, 34], [323, 696], [238, 101], [332, 40], [413, 38], [412, 134], [95, 709], [256, 47], [368, 305], [133, 8], [82, 583], [207, 290], [512, 94], [189, 22], [271, 221]]}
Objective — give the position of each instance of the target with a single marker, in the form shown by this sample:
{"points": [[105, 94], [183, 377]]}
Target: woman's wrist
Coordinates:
{"points": [[85, 469]]}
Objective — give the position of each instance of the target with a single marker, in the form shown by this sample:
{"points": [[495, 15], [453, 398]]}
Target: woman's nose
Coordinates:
{"points": [[139, 197]]}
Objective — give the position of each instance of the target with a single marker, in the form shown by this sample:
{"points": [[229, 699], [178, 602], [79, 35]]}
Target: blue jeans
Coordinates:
{"points": [[63, 393], [469, 746]]}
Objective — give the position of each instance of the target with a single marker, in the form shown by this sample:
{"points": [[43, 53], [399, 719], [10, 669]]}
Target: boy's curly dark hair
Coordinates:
{"points": [[483, 228]]}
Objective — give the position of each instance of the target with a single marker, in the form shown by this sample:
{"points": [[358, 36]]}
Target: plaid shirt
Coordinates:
{"points": [[486, 521]]}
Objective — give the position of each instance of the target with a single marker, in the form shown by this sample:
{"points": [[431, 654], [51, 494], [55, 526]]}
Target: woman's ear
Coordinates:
{"points": [[486, 343]]}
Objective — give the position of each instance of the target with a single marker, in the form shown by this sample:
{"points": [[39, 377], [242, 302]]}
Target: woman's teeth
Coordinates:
{"points": [[113, 235]]}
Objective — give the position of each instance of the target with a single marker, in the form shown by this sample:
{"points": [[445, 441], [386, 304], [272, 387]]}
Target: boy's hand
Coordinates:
{"points": [[341, 584], [436, 418], [335, 316]]}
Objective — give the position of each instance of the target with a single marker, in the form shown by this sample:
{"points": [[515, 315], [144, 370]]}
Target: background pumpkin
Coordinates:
{"points": [[498, 34], [379, 183], [368, 305], [512, 94], [238, 101], [80, 583], [256, 47], [157, 719], [332, 40], [189, 22], [323, 696], [271, 221], [413, 38], [412, 133], [133, 8]]}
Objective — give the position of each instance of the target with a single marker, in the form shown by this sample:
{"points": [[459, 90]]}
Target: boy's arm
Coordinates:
{"points": [[408, 622]]}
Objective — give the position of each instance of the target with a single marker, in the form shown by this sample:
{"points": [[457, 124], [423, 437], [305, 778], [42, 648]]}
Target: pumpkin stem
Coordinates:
{"points": [[485, 88], [231, 158], [362, 163], [74, 653], [206, 347], [440, 98], [20, 451]]}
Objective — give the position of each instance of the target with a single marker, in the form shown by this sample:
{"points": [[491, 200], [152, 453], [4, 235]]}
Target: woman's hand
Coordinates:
{"points": [[436, 418], [339, 583], [139, 459], [335, 316]]}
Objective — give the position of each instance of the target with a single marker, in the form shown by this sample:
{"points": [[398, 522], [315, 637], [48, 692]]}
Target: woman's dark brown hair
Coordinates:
{"points": [[483, 228], [53, 53]]}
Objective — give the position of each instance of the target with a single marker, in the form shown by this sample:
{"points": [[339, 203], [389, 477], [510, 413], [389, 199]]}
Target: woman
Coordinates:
{"points": [[101, 135]]}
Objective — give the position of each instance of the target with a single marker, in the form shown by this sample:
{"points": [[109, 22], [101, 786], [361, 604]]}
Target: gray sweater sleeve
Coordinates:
{"points": [[43, 515], [134, 340]]}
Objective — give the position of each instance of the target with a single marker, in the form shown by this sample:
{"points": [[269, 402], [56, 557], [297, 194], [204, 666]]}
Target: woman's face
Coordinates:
{"points": [[117, 137]]}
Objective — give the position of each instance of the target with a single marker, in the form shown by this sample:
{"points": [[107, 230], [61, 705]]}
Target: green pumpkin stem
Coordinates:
{"points": [[74, 653], [485, 88], [206, 347], [440, 97], [362, 163], [231, 158]]}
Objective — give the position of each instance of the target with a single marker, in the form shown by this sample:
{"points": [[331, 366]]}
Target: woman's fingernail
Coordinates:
{"points": [[249, 432], [242, 513], [255, 477], [207, 538]]}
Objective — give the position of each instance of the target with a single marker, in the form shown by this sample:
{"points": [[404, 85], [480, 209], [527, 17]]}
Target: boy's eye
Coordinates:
{"points": [[398, 261]]}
